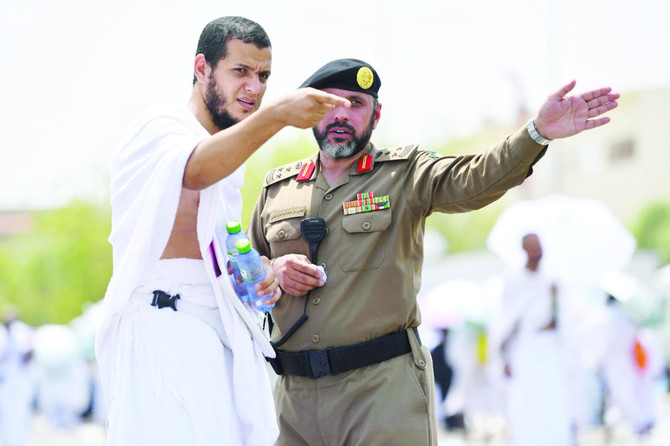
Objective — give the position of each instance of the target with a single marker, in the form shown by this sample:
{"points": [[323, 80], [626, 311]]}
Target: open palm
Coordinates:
{"points": [[562, 116]]}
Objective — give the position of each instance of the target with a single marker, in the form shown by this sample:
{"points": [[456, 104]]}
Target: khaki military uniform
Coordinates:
{"points": [[373, 260]]}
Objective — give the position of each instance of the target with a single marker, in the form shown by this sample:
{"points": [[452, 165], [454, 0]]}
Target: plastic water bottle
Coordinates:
{"points": [[234, 234], [251, 268]]}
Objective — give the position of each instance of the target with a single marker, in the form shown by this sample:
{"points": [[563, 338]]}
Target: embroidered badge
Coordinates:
{"points": [[306, 171], [366, 202], [434, 155], [365, 78], [365, 163]]}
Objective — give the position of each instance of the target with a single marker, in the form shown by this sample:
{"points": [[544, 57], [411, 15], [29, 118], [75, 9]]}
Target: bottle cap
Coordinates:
{"points": [[243, 246], [233, 226]]}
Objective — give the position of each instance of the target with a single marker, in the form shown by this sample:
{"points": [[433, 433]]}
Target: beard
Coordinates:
{"points": [[343, 150], [216, 104]]}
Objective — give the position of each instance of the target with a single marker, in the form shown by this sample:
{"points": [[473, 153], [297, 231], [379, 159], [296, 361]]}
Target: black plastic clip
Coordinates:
{"points": [[162, 299], [319, 363], [276, 365]]}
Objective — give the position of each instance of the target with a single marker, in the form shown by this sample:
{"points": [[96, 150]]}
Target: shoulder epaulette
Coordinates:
{"points": [[286, 171], [395, 154]]}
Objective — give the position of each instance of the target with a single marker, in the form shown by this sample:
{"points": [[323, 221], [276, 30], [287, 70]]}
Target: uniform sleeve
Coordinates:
{"points": [[463, 183], [255, 231]]}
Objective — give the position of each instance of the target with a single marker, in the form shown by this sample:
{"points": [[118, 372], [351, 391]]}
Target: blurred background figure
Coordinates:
{"points": [[64, 384], [85, 327], [17, 389], [580, 242], [454, 325], [632, 366], [534, 356]]}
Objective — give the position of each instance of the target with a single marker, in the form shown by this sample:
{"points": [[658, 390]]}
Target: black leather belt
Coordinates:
{"points": [[331, 361]]}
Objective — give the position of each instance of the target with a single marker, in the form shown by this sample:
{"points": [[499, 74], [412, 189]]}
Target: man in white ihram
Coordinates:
{"points": [[534, 356], [181, 359]]}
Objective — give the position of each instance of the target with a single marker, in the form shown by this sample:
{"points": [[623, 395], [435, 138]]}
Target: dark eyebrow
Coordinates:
{"points": [[249, 67], [357, 97]]}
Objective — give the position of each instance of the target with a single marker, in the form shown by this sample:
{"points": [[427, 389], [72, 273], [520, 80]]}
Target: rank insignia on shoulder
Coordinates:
{"points": [[306, 171], [366, 202], [284, 172], [365, 163], [396, 154]]}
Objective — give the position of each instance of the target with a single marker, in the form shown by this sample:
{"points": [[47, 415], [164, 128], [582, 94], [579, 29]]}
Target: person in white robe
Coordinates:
{"points": [[534, 357], [632, 366], [17, 386], [190, 369], [63, 390]]}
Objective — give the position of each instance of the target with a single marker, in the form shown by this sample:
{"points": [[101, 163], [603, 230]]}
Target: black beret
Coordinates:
{"points": [[347, 74]]}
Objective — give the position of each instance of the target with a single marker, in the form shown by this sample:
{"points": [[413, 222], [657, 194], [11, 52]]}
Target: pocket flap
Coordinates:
{"points": [[280, 231], [367, 221]]}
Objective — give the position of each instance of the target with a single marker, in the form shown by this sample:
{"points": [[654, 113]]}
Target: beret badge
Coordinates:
{"points": [[364, 77]]}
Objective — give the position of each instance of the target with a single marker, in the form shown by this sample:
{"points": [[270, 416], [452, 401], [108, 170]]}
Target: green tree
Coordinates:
{"points": [[50, 273], [652, 229]]}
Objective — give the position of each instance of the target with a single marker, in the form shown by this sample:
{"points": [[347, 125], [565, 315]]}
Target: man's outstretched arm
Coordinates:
{"points": [[220, 155]]}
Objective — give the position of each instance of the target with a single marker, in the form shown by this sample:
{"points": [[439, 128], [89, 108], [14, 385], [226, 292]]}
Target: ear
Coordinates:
{"points": [[378, 114], [201, 68]]}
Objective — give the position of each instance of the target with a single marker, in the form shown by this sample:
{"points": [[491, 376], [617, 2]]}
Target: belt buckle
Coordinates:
{"points": [[319, 363], [162, 299]]}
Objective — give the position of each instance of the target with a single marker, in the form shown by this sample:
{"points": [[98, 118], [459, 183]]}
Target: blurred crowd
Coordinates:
{"points": [[543, 360], [49, 370]]}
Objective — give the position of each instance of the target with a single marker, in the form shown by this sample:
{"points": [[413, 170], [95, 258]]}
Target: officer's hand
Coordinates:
{"points": [[561, 116], [268, 285], [306, 107], [297, 275]]}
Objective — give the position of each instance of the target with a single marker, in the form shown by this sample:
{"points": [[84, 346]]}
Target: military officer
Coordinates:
{"points": [[352, 368]]}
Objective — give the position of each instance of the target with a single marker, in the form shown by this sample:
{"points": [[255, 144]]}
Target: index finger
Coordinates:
{"points": [[333, 99], [589, 95]]}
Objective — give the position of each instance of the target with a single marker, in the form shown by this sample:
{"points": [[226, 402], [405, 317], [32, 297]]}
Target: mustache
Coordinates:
{"points": [[341, 125]]}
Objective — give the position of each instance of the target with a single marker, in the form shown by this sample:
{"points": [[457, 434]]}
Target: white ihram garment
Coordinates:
{"points": [[537, 392], [166, 375]]}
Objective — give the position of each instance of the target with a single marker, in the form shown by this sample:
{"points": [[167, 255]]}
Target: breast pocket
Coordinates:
{"points": [[285, 238], [364, 240]]}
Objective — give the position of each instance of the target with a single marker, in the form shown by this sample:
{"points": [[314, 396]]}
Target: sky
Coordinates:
{"points": [[76, 73]]}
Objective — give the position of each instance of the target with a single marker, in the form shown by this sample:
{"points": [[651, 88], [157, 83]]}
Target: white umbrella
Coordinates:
{"points": [[581, 238]]}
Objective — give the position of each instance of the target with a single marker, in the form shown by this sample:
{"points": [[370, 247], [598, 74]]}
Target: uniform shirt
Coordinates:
{"points": [[374, 259]]}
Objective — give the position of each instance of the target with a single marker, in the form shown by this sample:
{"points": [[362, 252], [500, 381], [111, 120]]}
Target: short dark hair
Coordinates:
{"points": [[215, 35]]}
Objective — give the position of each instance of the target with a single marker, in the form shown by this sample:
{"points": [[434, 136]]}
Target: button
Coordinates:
{"points": [[366, 225], [281, 234], [316, 300], [316, 338], [328, 197], [421, 363]]}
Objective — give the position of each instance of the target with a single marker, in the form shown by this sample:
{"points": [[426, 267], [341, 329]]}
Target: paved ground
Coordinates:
{"points": [[489, 432]]}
